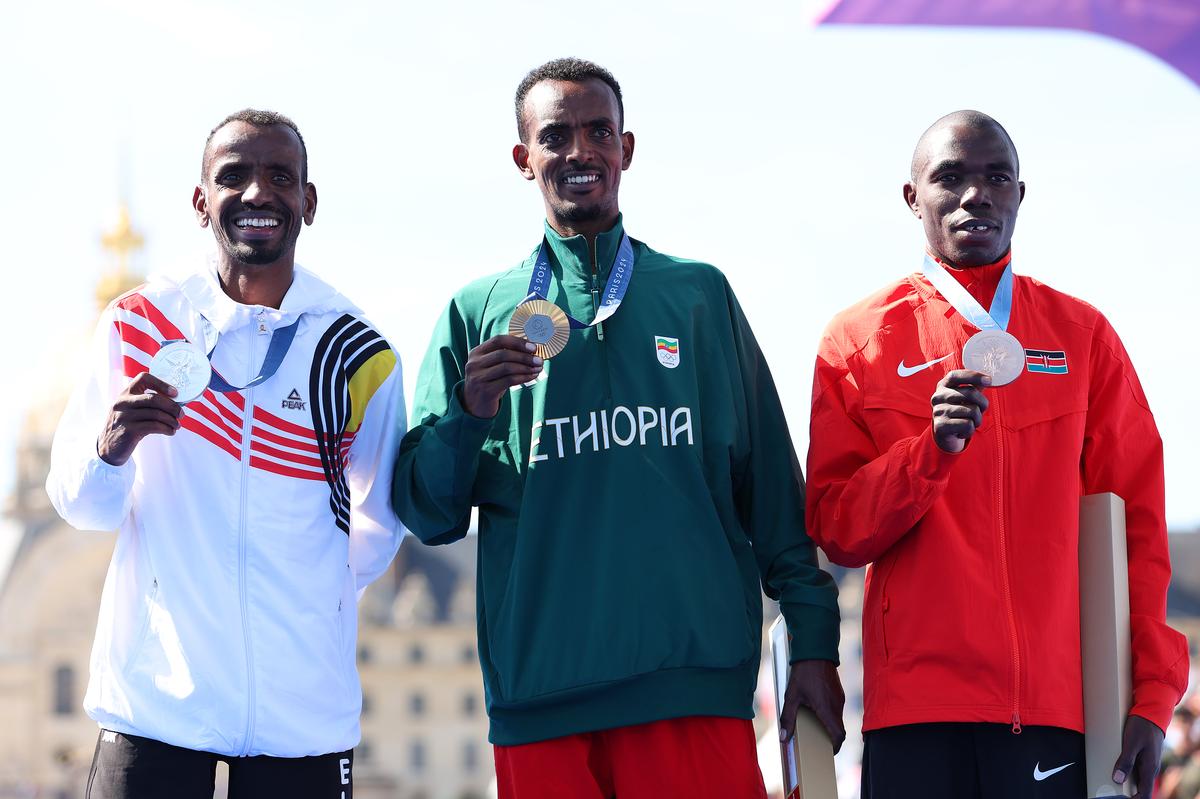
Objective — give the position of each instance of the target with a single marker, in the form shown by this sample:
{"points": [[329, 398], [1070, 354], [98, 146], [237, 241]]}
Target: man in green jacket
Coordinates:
{"points": [[632, 491]]}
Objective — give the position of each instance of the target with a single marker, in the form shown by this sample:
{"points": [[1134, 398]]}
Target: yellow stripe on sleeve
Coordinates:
{"points": [[365, 382]]}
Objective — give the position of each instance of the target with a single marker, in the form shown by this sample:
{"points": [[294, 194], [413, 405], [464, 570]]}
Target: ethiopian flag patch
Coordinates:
{"points": [[667, 349]]}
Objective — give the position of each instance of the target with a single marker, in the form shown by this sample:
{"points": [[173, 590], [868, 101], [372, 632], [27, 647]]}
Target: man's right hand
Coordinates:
{"points": [[136, 414], [958, 406], [493, 368]]}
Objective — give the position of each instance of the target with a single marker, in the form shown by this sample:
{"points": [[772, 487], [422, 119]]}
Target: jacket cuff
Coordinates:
{"points": [[929, 460], [1155, 702], [458, 429], [109, 475], [814, 630]]}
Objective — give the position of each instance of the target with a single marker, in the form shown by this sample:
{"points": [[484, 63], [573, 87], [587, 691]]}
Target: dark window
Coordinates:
{"points": [[366, 704], [416, 654], [364, 654], [470, 756], [470, 705], [468, 654], [362, 752], [416, 756], [416, 704], [64, 691]]}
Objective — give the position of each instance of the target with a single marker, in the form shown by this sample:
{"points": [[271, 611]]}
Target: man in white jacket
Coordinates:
{"points": [[249, 519]]}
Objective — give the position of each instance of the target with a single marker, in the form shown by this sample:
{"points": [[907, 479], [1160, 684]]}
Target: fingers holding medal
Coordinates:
{"points": [[543, 324]]}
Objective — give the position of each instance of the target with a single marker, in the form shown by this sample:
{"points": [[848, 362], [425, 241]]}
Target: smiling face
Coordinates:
{"points": [[254, 193], [965, 191], [575, 150]]}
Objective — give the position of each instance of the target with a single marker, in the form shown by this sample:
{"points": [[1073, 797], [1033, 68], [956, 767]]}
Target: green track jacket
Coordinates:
{"points": [[629, 501]]}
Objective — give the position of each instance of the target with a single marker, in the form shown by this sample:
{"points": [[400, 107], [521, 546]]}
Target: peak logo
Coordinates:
{"points": [[293, 402]]}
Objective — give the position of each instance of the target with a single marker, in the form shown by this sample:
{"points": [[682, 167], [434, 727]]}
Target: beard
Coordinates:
{"points": [[256, 254], [581, 213]]}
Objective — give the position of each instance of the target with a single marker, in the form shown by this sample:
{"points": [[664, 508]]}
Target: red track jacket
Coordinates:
{"points": [[972, 600]]}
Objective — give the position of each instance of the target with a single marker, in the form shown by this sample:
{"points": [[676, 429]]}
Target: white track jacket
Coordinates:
{"points": [[228, 619]]}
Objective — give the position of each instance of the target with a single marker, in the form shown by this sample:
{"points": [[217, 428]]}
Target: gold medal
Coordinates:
{"points": [[542, 323]]}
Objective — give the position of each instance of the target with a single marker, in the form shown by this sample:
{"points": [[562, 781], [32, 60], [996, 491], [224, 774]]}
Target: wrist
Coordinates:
{"points": [[106, 454]]}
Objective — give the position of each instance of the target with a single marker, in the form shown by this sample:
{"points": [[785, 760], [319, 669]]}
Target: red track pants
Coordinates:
{"points": [[699, 757]]}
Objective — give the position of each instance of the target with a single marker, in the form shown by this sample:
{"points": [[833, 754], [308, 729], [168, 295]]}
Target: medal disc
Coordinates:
{"points": [[542, 323], [995, 353], [183, 365]]}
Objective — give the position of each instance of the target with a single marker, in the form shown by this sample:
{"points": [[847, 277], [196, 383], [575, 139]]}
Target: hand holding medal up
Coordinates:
{"points": [[992, 357], [144, 408], [493, 368], [958, 407]]}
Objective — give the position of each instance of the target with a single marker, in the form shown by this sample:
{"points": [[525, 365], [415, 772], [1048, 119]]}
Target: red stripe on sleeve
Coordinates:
{"points": [[138, 304], [137, 338], [286, 471], [133, 367], [189, 423]]}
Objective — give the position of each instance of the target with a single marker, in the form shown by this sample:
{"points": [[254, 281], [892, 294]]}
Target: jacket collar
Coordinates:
{"points": [[979, 281], [307, 294], [574, 256]]}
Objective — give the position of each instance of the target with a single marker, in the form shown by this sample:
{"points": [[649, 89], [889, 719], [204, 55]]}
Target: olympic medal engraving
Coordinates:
{"points": [[541, 323], [183, 365], [995, 353]]}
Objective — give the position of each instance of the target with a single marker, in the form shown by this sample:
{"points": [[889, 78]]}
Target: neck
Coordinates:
{"points": [[589, 229], [946, 262], [263, 285]]}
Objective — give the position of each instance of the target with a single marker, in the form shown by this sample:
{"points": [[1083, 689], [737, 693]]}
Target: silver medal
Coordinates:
{"points": [[184, 366], [995, 353]]}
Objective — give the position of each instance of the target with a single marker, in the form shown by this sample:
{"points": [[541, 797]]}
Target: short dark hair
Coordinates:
{"points": [[575, 70], [259, 119]]}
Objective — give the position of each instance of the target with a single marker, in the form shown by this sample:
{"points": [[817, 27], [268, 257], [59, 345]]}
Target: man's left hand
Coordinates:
{"points": [[814, 684], [1141, 753]]}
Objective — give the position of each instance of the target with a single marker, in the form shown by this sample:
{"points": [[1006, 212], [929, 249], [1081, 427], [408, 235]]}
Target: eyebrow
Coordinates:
{"points": [[591, 123], [233, 162], [995, 166]]}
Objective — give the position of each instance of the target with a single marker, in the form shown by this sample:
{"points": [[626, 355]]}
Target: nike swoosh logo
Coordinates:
{"points": [[1040, 775], [909, 371]]}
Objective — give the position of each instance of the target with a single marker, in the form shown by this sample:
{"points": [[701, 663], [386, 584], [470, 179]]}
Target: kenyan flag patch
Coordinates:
{"points": [[1048, 362]]}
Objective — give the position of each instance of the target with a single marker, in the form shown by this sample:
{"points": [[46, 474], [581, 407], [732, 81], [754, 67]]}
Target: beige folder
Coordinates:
{"points": [[1104, 634], [807, 758]]}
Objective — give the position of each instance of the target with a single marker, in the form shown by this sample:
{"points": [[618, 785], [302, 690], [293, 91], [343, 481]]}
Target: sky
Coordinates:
{"points": [[767, 147]]}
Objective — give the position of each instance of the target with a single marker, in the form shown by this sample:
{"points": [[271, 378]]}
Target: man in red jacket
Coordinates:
{"points": [[957, 474]]}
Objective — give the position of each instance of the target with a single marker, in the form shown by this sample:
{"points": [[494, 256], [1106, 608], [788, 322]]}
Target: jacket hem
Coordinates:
{"points": [[659, 695], [988, 714]]}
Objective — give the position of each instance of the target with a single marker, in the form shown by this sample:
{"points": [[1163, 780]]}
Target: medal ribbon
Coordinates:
{"points": [[614, 289], [281, 342], [994, 318]]}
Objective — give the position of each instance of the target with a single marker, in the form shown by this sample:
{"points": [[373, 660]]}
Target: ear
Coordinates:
{"points": [[626, 149], [200, 205], [1021, 183], [520, 154], [310, 203], [910, 199]]}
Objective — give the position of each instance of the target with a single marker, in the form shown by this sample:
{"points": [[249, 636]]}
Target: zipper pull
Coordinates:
{"points": [[1016, 724], [596, 310]]}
